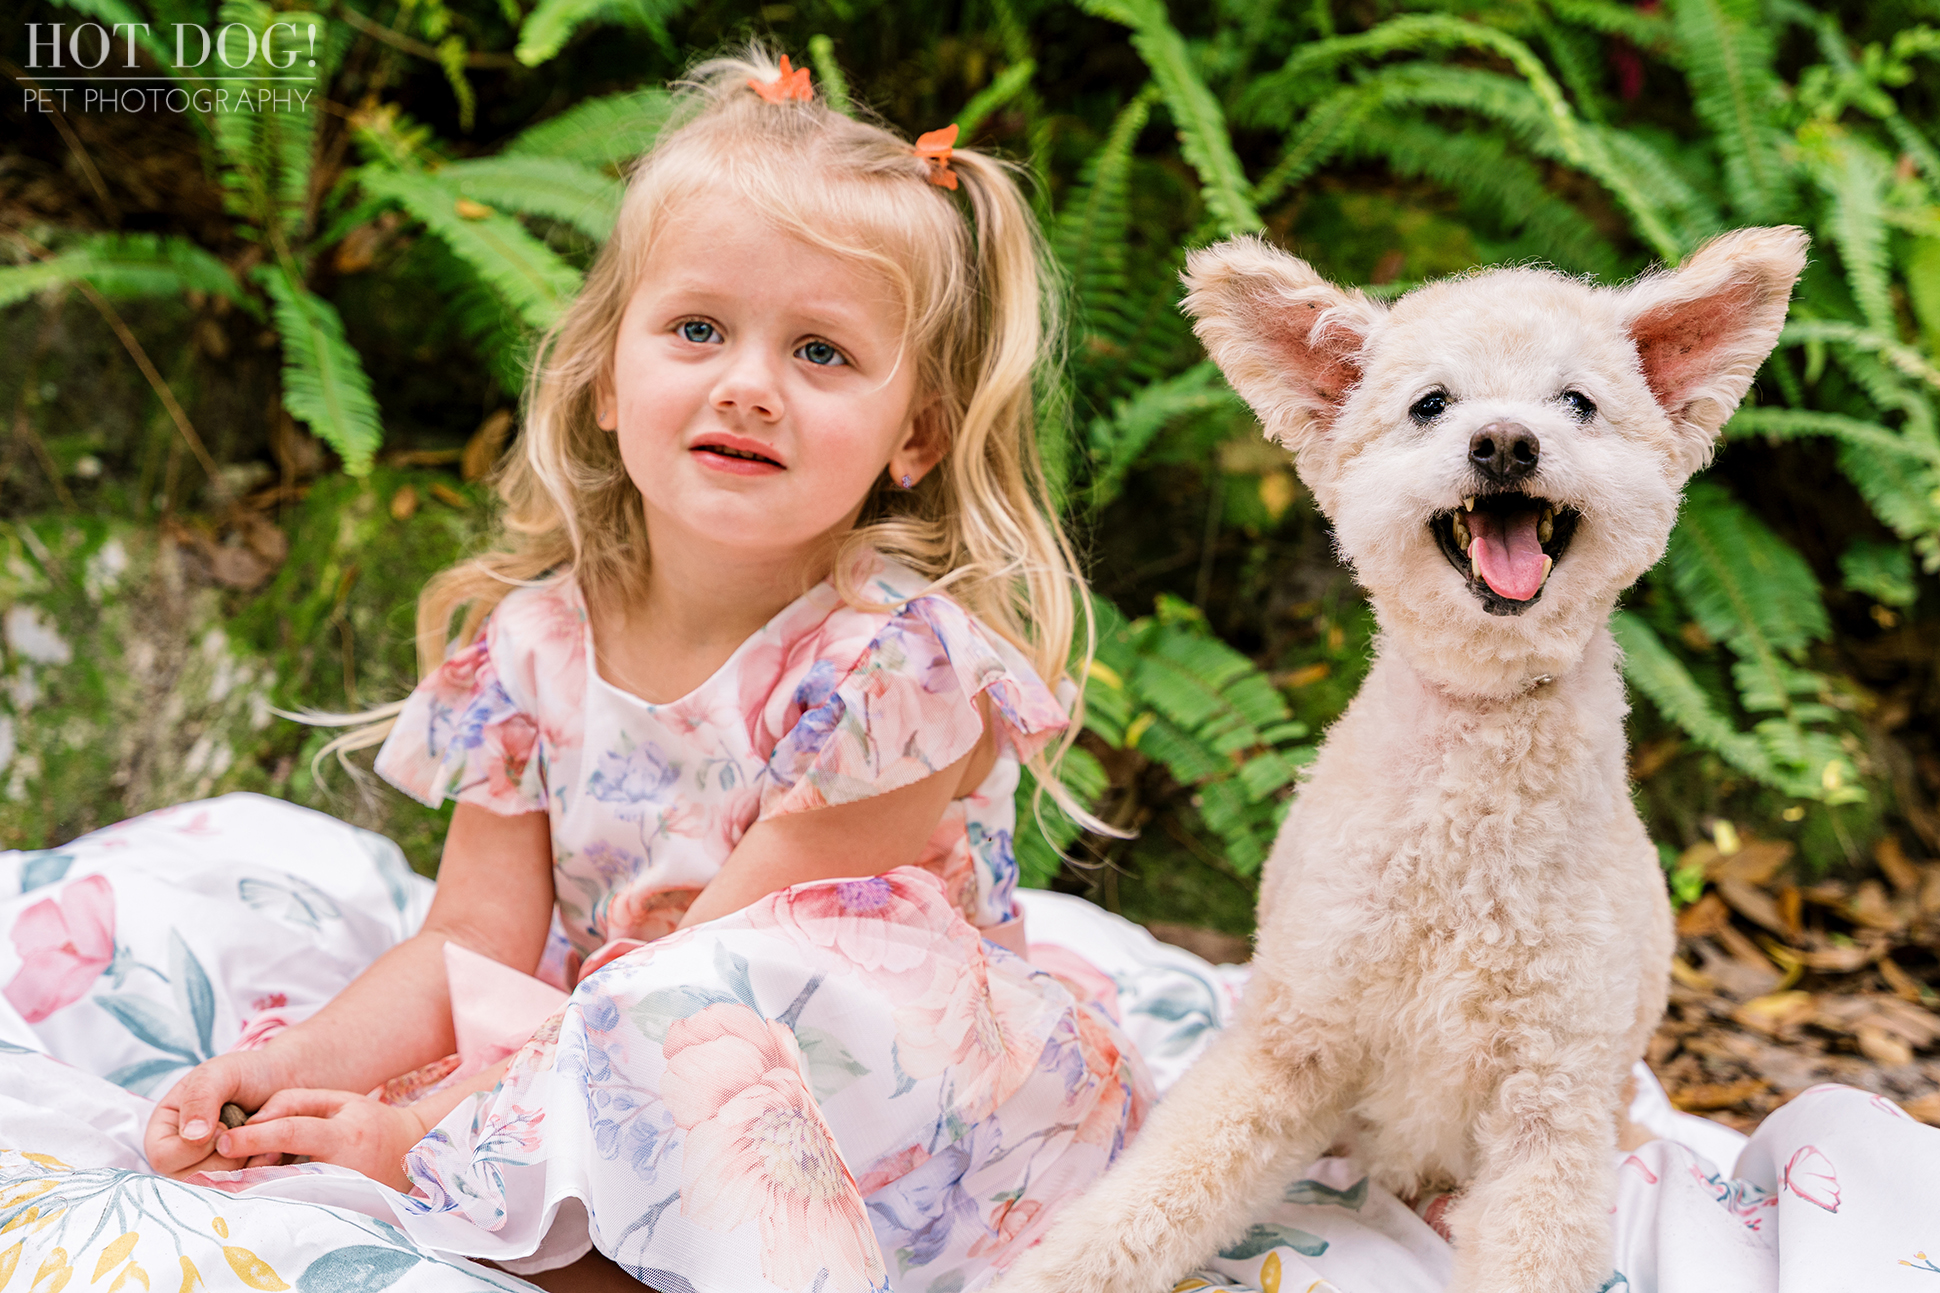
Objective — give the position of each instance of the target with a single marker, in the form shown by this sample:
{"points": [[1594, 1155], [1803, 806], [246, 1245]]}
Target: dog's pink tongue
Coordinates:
{"points": [[1507, 552]]}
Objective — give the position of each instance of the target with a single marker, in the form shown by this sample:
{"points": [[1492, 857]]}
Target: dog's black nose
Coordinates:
{"points": [[1504, 452]]}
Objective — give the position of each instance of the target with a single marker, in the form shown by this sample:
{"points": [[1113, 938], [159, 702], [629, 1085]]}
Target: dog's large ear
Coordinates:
{"points": [[1288, 340], [1703, 329]]}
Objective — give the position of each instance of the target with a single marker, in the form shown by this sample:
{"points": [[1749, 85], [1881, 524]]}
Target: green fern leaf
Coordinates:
{"points": [[1726, 48], [534, 282], [1743, 584], [1648, 30], [1044, 831], [324, 383], [570, 192], [125, 265], [609, 131], [1653, 670], [1117, 441], [1855, 177], [1196, 113], [552, 23], [1008, 84], [833, 85], [1089, 235], [1902, 357], [1790, 424], [1321, 134]]}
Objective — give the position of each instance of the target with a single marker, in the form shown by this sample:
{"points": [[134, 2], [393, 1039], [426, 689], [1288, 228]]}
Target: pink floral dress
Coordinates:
{"points": [[849, 1085]]}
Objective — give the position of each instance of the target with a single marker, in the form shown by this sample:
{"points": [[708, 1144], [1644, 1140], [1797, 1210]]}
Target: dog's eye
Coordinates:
{"points": [[1580, 404], [1429, 407]]}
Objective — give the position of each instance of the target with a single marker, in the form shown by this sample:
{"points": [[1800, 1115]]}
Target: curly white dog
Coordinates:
{"points": [[1464, 939]]}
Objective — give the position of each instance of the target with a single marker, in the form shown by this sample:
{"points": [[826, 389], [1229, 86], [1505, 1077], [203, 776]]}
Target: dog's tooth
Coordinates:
{"points": [[1462, 537], [1474, 566], [1547, 526], [1468, 504], [1549, 564]]}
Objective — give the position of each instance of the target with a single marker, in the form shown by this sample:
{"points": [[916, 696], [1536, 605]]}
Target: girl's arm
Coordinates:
{"points": [[864, 838], [494, 897]]}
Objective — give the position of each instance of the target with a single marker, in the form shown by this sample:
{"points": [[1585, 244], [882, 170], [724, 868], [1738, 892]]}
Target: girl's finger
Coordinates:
{"points": [[291, 1135], [300, 1102]]}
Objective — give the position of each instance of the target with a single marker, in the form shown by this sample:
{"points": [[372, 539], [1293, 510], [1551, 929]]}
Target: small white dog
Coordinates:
{"points": [[1464, 939]]}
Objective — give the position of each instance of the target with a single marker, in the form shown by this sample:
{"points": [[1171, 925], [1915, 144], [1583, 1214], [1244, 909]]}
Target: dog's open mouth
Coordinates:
{"points": [[1505, 545]]}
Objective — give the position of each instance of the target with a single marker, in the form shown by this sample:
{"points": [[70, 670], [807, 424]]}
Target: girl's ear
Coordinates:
{"points": [[1702, 330], [923, 445], [1287, 340], [606, 413]]}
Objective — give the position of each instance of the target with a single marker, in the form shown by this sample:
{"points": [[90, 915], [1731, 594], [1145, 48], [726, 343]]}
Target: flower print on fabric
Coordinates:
{"points": [[882, 922], [757, 1149], [827, 703], [64, 944]]}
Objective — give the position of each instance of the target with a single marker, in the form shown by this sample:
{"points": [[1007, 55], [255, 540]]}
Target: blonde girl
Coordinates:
{"points": [[734, 728]]}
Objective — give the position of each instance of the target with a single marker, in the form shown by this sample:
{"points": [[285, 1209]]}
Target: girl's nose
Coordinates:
{"points": [[749, 388]]}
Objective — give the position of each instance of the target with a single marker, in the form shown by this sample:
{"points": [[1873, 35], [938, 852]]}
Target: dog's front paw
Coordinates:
{"points": [[1069, 1261]]}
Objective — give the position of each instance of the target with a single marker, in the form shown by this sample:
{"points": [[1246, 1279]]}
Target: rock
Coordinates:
{"points": [[233, 1116]]}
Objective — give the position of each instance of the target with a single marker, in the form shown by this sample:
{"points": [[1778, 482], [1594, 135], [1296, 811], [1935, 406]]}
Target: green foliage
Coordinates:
{"points": [[124, 265], [323, 381]]}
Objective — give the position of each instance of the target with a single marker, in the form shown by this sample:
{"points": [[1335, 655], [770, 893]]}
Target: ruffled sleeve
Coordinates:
{"points": [[905, 709], [462, 736]]}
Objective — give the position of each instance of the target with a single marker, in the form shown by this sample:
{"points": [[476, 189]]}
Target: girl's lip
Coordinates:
{"points": [[727, 462], [733, 466]]}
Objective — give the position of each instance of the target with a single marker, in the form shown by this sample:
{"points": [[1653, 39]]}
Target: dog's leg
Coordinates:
{"points": [[1262, 1103], [1537, 1218]]}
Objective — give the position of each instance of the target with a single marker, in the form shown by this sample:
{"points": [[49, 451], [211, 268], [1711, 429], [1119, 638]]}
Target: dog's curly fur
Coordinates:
{"points": [[1464, 938]]}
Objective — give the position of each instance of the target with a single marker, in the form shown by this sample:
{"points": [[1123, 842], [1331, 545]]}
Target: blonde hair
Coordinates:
{"points": [[980, 323]]}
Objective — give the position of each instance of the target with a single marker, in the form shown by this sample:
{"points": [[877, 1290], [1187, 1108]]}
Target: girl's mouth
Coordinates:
{"points": [[736, 460]]}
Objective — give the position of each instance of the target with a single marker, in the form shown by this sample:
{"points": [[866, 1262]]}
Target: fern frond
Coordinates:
{"points": [[1651, 668], [1117, 441], [1743, 584], [608, 131], [324, 383], [1583, 149], [1089, 236], [1201, 124], [125, 265], [1727, 50], [114, 14], [1903, 493], [1008, 84], [552, 23], [534, 282], [1647, 30], [570, 192], [1854, 177], [1902, 357], [1480, 166], [1322, 133], [1792, 424]]}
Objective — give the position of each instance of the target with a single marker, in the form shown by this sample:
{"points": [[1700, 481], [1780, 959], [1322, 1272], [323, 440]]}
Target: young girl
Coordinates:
{"points": [[746, 701]]}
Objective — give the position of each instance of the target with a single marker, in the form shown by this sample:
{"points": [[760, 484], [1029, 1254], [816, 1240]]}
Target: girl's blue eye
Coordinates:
{"points": [[699, 332], [822, 353]]}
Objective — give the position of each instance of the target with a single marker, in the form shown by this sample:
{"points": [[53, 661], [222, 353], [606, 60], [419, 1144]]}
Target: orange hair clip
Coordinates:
{"points": [[936, 148], [789, 85]]}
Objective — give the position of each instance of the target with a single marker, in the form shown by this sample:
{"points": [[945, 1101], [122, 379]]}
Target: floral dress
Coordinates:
{"points": [[847, 1085]]}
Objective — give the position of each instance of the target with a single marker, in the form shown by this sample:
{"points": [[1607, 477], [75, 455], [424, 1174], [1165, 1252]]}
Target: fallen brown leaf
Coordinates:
{"points": [[1707, 1096], [404, 503], [1755, 862], [1776, 1012], [1754, 904], [1881, 1047], [448, 496], [1903, 875], [487, 443], [1871, 907], [1926, 1108], [1704, 917]]}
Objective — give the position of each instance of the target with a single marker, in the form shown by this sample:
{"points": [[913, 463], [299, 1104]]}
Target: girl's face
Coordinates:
{"points": [[760, 388]]}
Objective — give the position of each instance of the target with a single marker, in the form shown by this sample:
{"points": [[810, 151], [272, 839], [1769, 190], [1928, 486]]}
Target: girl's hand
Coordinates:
{"points": [[337, 1127], [181, 1133]]}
